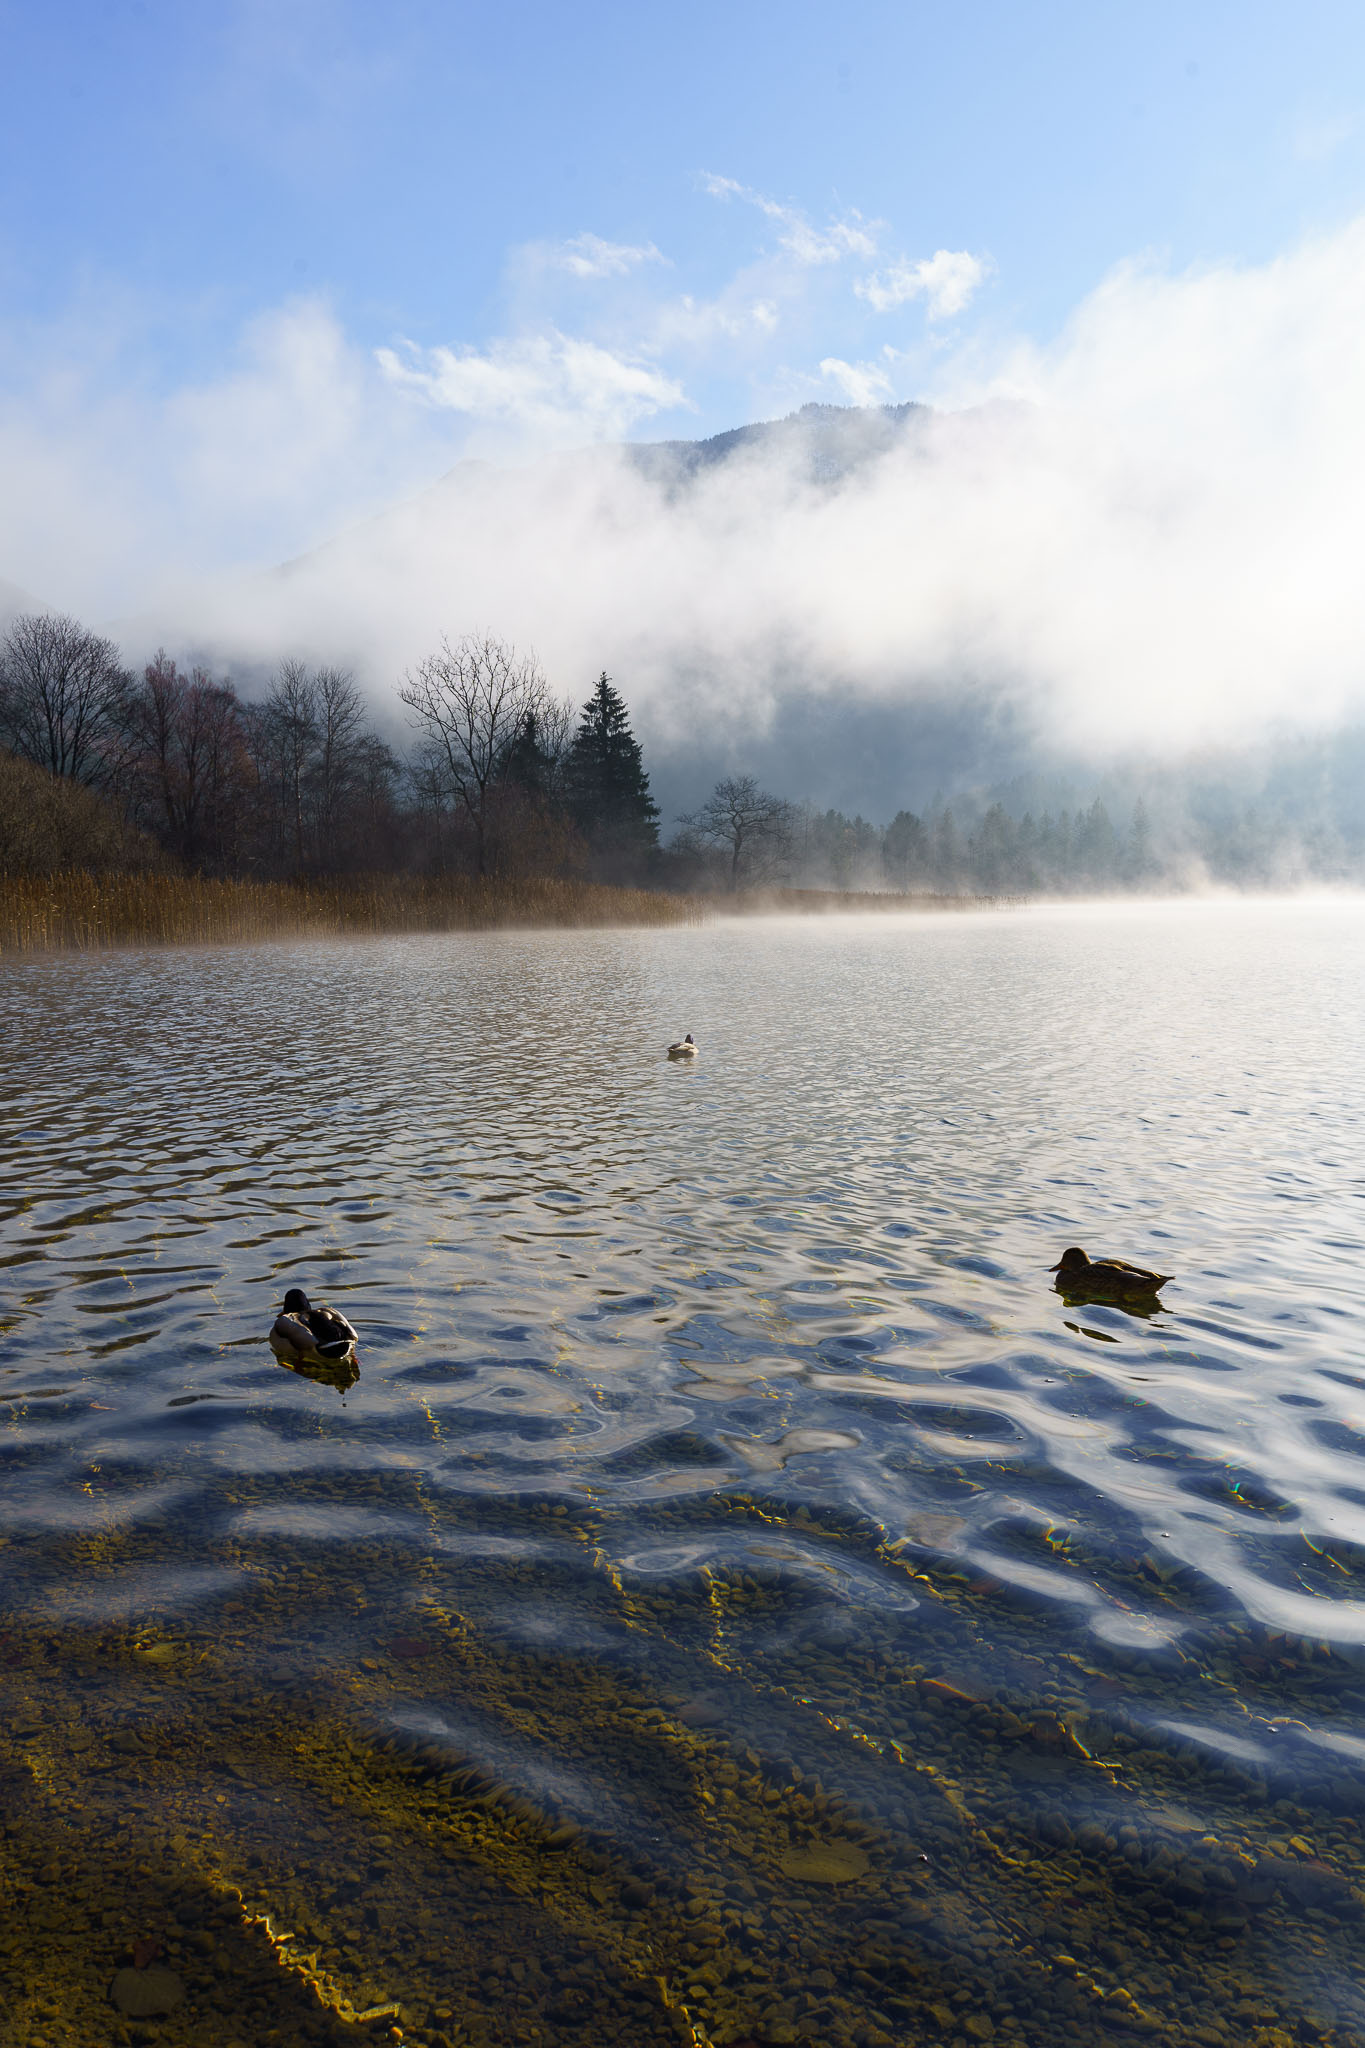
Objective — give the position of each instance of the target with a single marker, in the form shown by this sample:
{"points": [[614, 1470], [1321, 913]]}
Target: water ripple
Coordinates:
{"points": [[765, 1349]]}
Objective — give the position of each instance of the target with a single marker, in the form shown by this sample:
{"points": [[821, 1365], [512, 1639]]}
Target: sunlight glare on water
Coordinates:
{"points": [[728, 1522]]}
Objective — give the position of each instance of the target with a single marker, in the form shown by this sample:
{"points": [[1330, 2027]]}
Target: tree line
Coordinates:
{"points": [[503, 777], [104, 767], [743, 837]]}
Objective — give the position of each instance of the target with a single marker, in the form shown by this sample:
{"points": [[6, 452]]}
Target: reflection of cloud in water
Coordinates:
{"points": [[526, 1768], [333, 1522], [935, 1531], [163, 1591], [1127, 1631], [843, 1579], [503, 1390], [1220, 1740], [717, 1381], [771, 1457]]}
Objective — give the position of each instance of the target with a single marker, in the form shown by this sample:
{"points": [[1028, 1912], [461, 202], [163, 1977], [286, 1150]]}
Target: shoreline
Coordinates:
{"points": [[76, 912], [778, 902]]}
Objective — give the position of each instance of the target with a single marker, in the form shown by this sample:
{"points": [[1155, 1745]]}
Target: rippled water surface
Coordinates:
{"points": [[738, 1600]]}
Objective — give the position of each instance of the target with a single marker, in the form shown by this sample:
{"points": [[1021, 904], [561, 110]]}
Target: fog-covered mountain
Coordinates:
{"points": [[870, 609], [823, 443]]}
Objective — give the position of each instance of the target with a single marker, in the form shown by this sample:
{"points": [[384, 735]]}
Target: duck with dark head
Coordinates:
{"points": [[1080, 1277], [310, 1333]]}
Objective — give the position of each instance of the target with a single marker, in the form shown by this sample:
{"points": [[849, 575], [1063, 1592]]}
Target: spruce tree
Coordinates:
{"points": [[528, 764], [608, 789]]}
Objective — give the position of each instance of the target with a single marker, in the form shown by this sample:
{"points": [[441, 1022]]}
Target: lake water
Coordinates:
{"points": [[738, 1601]]}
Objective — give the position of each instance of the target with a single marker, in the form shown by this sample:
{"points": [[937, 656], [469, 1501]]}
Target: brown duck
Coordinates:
{"points": [[310, 1332], [1077, 1274]]}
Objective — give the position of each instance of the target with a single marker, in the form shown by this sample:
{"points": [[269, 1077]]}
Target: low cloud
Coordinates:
{"points": [[1143, 535], [948, 280], [553, 386], [859, 383]]}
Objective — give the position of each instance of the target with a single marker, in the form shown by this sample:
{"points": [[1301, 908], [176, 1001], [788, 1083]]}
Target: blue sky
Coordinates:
{"points": [[170, 172]]}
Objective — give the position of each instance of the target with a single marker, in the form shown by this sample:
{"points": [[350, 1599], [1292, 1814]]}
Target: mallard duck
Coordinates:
{"points": [[683, 1048], [1077, 1274], [304, 1334]]}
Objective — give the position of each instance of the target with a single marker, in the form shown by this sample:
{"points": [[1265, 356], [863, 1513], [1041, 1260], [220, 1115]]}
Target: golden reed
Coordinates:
{"points": [[81, 912]]}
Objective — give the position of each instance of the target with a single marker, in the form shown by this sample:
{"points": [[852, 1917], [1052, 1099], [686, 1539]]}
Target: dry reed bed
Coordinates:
{"points": [[82, 912]]}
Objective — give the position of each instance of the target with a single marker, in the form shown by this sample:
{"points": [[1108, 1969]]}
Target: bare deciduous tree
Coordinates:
{"points": [[372, 778], [63, 698], [742, 821], [473, 703], [291, 724], [188, 759], [339, 712]]}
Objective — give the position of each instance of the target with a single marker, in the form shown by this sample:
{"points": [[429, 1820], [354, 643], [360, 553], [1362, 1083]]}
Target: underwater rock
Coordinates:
{"points": [[141, 1994], [825, 1863], [703, 1710]]}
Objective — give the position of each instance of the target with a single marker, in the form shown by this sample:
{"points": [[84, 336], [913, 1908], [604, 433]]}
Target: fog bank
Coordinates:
{"points": [[1140, 538]]}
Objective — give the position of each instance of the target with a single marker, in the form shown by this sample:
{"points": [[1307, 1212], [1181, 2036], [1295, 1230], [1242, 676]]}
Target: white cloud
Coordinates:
{"points": [[686, 322], [1144, 533], [851, 236], [551, 385], [948, 280], [113, 492], [588, 256], [861, 383]]}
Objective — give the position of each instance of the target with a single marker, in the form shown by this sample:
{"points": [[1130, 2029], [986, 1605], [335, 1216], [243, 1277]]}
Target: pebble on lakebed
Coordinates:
{"points": [[825, 1863], [142, 1994]]}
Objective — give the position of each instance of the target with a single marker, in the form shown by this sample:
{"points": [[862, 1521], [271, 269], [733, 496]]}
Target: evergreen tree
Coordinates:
{"points": [[608, 789], [992, 849], [1095, 848], [905, 850], [1140, 863], [947, 852], [529, 764]]}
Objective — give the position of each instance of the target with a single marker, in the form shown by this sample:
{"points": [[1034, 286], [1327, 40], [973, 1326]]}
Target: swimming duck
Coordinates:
{"points": [[303, 1332], [683, 1048], [1077, 1274]]}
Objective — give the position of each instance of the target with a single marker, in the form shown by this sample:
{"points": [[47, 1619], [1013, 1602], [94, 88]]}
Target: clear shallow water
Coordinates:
{"points": [[738, 1600]]}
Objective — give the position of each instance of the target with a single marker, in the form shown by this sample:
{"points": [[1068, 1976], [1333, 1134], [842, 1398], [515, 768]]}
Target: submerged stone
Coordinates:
{"points": [[825, 1863], [141, 1994]]}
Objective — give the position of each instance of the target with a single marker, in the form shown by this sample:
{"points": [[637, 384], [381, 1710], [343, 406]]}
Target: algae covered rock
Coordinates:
{"points": [[825, 1863], [141, 1994]]}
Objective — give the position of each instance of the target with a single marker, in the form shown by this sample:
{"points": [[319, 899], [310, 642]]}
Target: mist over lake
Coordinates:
{"points": [[737, 1598]]}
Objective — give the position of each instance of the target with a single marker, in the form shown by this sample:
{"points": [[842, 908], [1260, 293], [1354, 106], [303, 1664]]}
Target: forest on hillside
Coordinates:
{"points": [[103, 768]]}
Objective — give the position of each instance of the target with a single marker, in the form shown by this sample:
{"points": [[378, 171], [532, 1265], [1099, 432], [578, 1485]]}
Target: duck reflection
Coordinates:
{"points": [[340, 1373], [1146, 1306]]}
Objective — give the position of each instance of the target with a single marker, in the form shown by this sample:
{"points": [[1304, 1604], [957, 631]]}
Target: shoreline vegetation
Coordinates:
{"points": [[166, 807], [77, 911]]}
